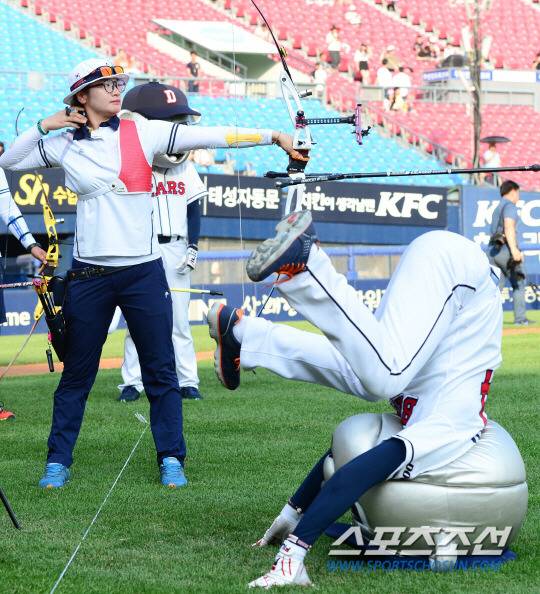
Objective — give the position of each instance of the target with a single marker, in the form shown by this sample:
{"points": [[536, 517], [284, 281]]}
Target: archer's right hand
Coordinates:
{"points": [[65, 118]]}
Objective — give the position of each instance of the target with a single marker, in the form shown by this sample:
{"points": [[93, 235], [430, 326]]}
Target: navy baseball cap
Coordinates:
{"points": [[156, 101]]}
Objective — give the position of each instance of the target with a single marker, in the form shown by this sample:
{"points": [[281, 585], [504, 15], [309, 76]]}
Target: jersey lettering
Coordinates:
{"points": [[404, 406], [173, 188], [484, 391]]}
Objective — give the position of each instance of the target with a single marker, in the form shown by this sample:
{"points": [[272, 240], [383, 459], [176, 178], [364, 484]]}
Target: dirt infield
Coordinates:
{"points": [[112, 363], [115, 363]]}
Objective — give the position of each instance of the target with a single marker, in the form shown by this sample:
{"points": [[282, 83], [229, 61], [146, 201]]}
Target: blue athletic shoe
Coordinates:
{"points": [[129, 394], [221, 320], [190, 393], [172, 473], [56, 476], [287, 252]]}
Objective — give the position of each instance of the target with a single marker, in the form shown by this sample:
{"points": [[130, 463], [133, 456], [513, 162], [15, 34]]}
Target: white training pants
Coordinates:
{"points": [[433, 338]]}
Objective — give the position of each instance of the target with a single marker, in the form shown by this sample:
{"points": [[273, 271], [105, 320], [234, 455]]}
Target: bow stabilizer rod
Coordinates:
{"points": [[313, 179]]}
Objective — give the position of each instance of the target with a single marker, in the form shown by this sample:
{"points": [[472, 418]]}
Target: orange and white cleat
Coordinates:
{"points": [[221, 320], [287, 252]]}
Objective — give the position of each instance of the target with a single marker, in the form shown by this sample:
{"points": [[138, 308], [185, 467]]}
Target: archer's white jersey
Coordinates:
{"points": [[173, 189]]}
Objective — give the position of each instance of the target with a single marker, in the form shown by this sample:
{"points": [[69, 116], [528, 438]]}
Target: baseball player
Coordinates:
{"points": [[177, 189], [430, 349]]}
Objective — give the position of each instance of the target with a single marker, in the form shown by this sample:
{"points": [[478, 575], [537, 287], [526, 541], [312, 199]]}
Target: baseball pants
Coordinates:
{"points": [[433, 339]]}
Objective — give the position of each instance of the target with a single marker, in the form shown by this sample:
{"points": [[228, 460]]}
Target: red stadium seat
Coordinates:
{"points": [[24, 3], [343, 64]]}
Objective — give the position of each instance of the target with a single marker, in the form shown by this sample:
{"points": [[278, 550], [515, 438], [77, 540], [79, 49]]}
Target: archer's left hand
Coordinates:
{"points": [[285, 141], [39, 254], [189, 261]]}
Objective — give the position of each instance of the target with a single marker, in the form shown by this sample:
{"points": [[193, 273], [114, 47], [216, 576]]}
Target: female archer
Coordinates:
{"points": [[108, 163]]}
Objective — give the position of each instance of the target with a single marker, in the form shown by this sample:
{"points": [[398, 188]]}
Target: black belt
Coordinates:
{"points": [[89, 272], [168, 238]]}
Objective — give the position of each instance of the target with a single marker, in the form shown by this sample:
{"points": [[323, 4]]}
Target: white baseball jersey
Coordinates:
{"points": [[431, 348], [173, 190], [112, 178], [11, 214]]}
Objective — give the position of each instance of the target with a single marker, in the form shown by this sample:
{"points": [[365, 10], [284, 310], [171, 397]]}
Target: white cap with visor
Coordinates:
{"points": [[89, 72]]}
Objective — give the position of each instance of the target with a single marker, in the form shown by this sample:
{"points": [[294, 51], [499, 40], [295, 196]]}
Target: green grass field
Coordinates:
{"points": [[248, 450]]}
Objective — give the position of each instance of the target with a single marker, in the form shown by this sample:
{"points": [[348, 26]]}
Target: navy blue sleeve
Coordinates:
{"points": [[194, 222]]}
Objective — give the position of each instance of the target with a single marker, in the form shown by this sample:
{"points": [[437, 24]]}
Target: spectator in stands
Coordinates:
{"points": [[391, 5], [123, 60], [402, 81], [334, 46], [490, 158], [536, 62], [392, 60], [504, 250], [2, 147], [384, 76], [424, 50], [361, 58], [397, 102], [434, 47], [418, 43], [319, 76], [352, 16], [194, 68]]}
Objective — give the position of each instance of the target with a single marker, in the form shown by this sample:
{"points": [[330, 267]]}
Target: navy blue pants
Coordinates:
{"points": [[324, 505], [142, 293]]}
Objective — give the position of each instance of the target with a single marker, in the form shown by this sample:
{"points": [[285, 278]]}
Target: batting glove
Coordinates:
{"points": [[281, 527], [189, 261]]}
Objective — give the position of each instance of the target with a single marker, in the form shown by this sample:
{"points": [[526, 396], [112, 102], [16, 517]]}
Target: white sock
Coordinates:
{"points": [[290, 514], [294, 550], [239, 329]]}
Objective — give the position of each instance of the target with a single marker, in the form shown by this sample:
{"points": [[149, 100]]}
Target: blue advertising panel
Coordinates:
{"points": [[478, 205], [20, 303]]}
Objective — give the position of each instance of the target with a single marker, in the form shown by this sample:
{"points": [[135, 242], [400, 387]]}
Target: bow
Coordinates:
{"points": [[302, 139], [43, 284]]}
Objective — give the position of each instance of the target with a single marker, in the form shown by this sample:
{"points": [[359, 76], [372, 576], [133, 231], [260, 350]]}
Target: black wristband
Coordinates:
{"points": [[33, 245]]}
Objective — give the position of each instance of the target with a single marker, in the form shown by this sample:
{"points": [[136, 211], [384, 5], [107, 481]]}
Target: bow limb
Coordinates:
{"points": [[302, 140], [53, 252]]}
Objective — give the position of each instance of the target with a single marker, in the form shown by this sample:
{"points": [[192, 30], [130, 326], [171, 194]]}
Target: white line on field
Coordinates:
{"points": [[71, 559]]}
